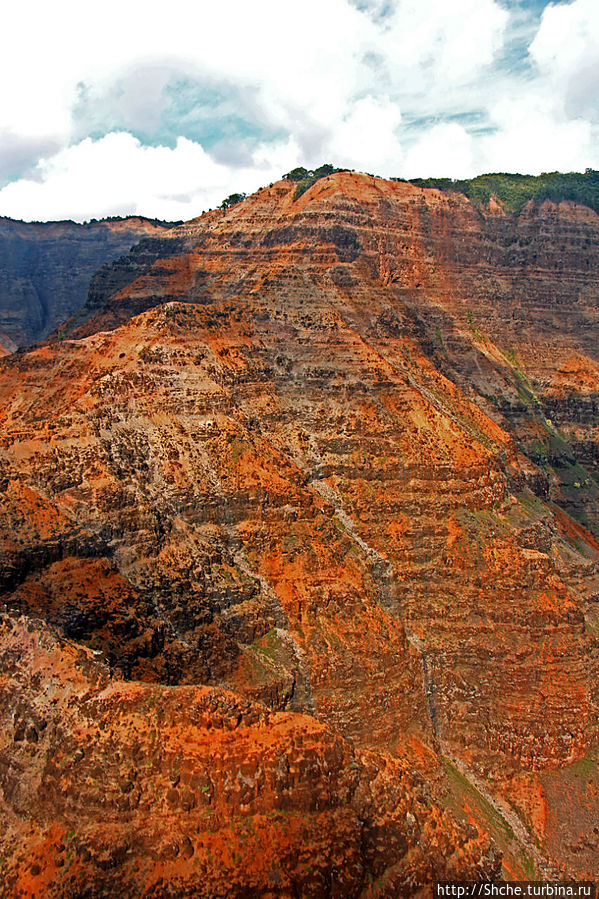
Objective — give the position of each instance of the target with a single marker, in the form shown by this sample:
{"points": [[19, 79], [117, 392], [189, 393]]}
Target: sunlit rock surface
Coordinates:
{"points": [[330, 461]]}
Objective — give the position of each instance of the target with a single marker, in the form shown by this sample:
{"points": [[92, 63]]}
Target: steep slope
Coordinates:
{"points": [[128, 789], [45, 269], [292, 450]]}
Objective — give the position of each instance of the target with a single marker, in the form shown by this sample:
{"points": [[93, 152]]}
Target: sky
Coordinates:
{"points": [[164, 109]]}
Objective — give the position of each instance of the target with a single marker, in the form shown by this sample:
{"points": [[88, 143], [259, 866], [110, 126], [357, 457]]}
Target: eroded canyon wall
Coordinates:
{"points": [[336, 455], [45, 269]]}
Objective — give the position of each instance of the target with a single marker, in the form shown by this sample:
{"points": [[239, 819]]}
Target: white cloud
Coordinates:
{"points": [[18, 152], [445, 150], [372, 85], [117, 175], [446, 42], [567, 38], [366, 138], [531, 139], [549, 122], [289, 55], [565, 53], [542, 120]]}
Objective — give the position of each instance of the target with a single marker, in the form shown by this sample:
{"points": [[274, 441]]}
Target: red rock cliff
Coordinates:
{"points": [[337, 456]]}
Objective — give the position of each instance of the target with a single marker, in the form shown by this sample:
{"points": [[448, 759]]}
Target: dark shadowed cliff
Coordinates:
{"points": [[45, 268]]}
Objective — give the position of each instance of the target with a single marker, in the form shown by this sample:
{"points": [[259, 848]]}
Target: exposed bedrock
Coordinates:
{"points": [[337, 455]]}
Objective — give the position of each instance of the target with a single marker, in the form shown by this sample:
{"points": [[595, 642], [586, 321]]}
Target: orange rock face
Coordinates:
{"points": [[333, 461], [128, 788]]}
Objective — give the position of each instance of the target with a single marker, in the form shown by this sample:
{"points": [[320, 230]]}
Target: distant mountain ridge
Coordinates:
{"points": [[46, 267], [514, 190]]}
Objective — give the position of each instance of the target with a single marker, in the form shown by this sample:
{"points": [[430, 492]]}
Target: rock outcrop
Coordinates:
{"points": [[333, 460], [126, 789], [45, 270]]}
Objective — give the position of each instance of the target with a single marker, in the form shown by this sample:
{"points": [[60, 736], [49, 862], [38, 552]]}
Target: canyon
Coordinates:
{"points": [[45, 269], [299, 557]]}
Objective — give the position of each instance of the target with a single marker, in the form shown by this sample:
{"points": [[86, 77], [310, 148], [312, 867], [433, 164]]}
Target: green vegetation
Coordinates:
{"points": [[466, 793], [586, 768], [476, 332], [464, 799], [124, 218], [232, 200], [529, 867], [514, 191], [305, 178], [269, 645], [591, 625], [298, 174], [238, 447]]}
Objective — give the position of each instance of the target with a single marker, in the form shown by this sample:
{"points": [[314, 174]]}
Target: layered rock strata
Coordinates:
{"points": [[306, 451]]}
